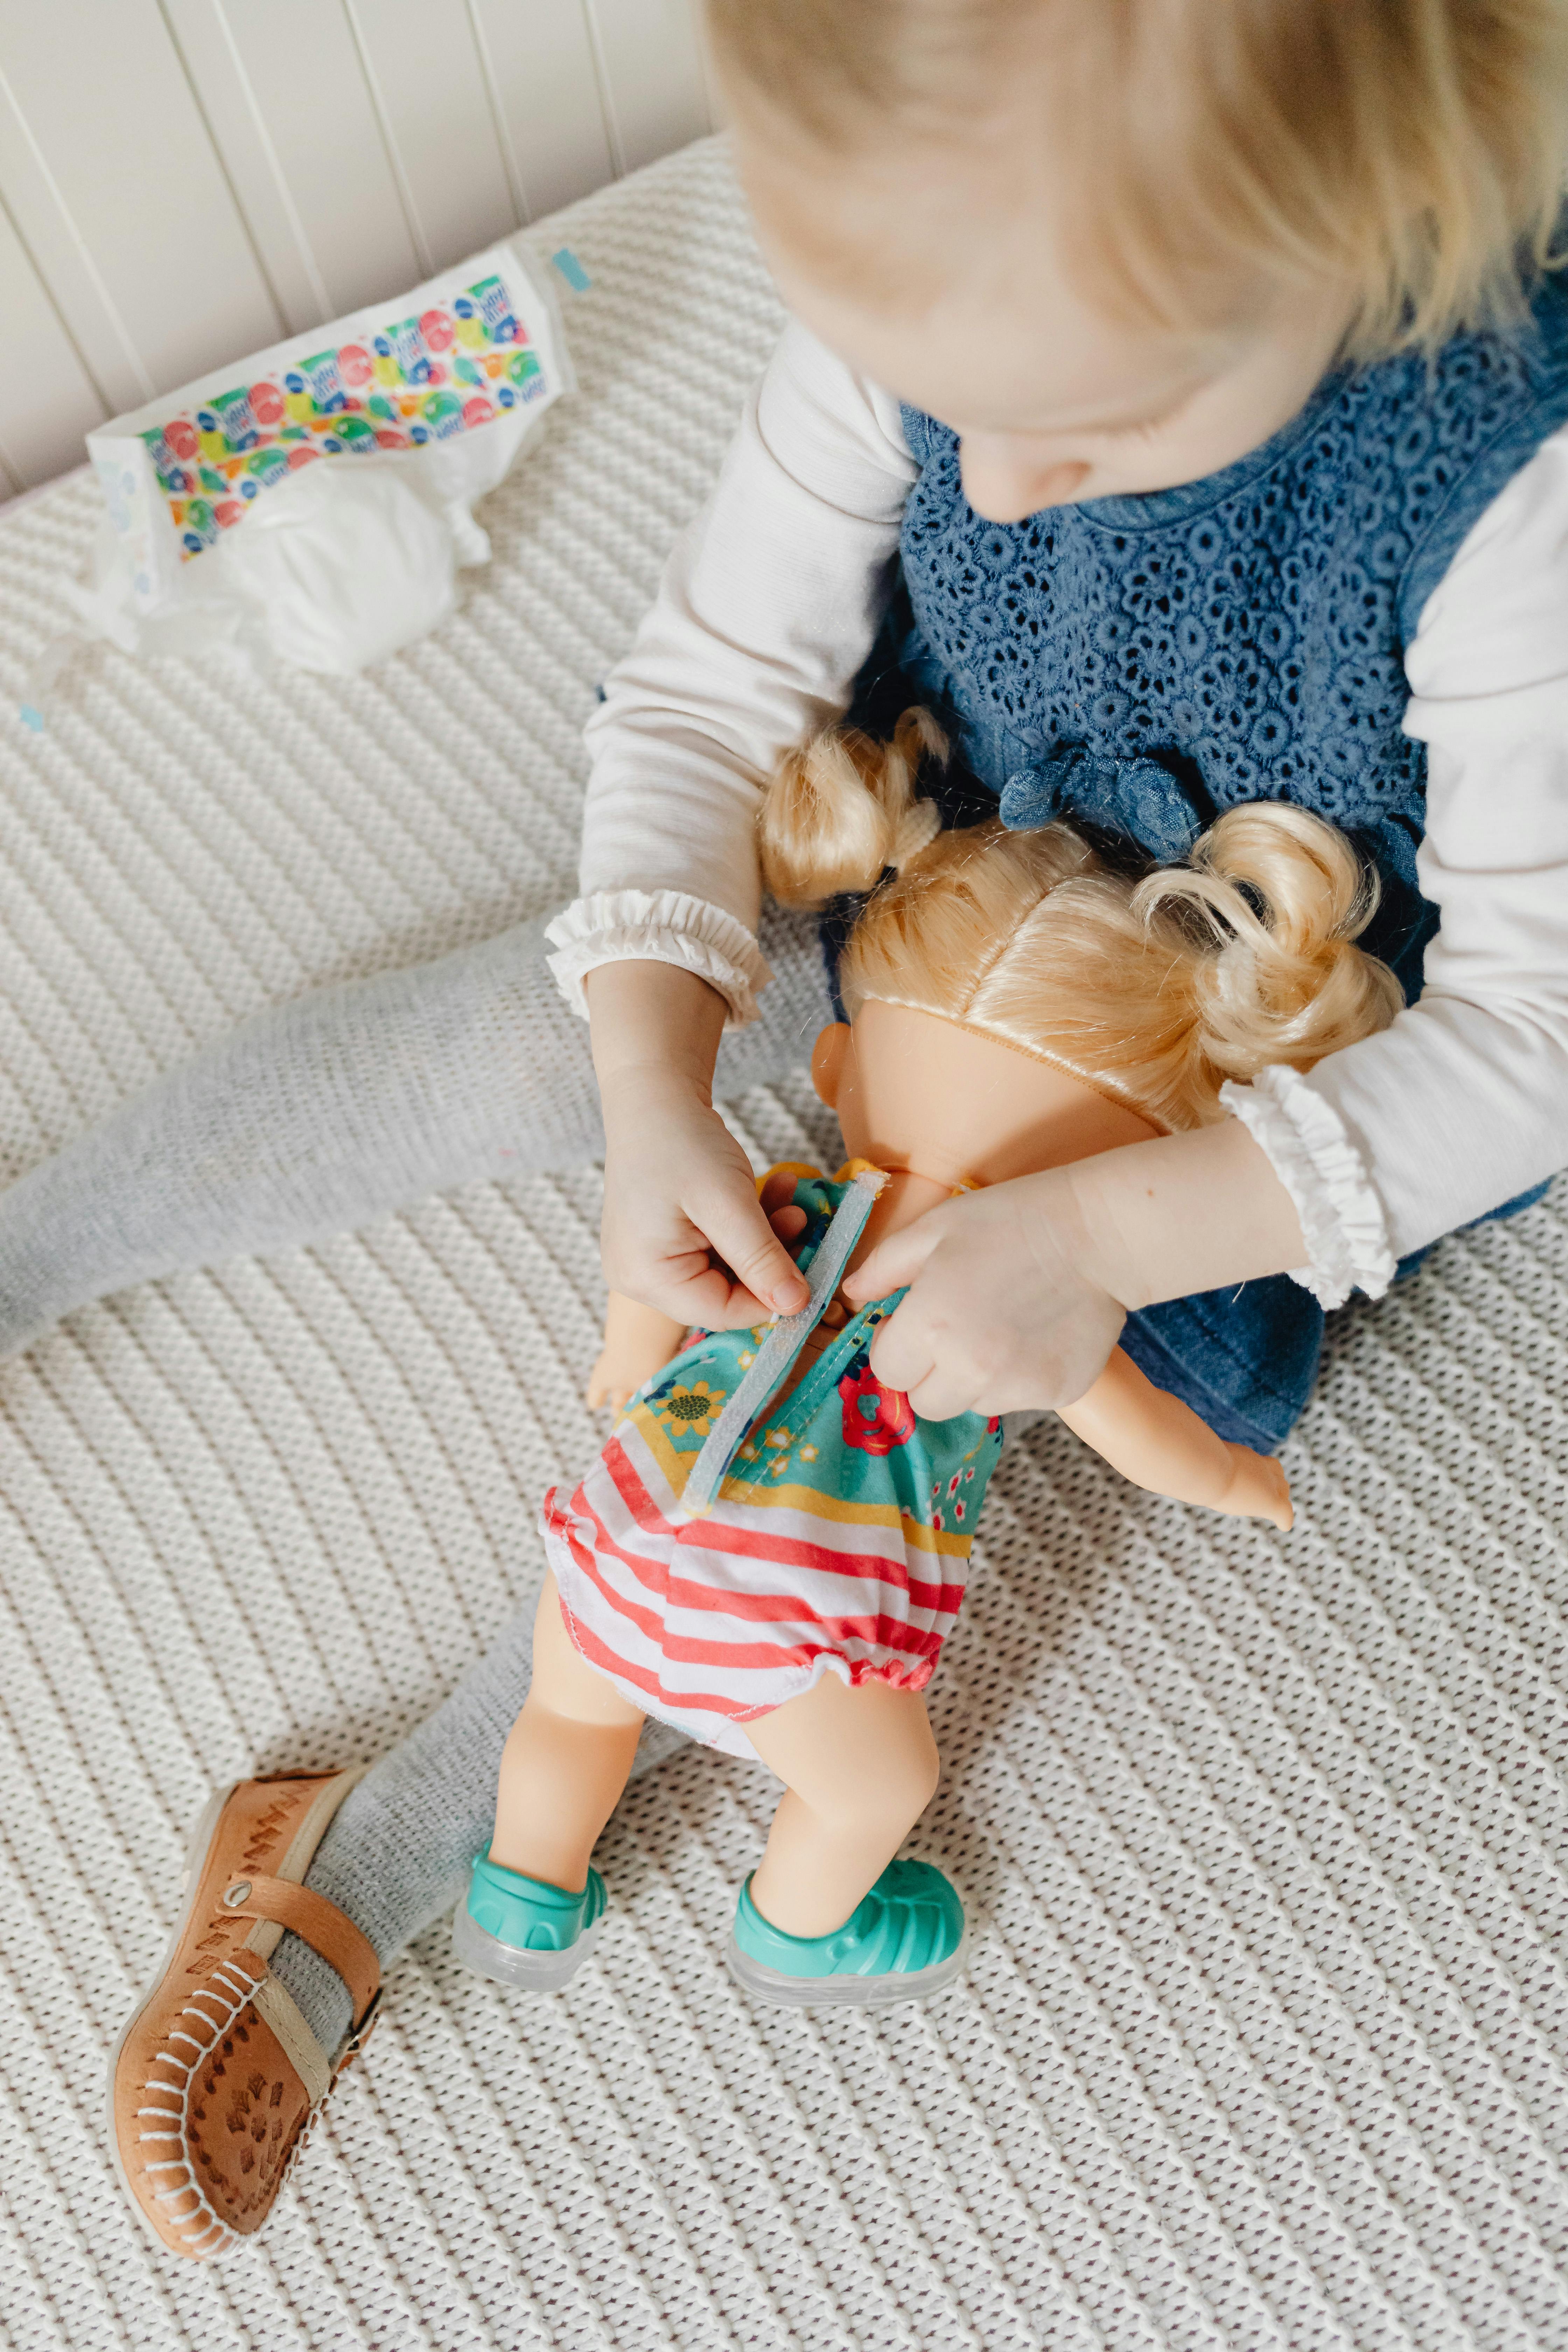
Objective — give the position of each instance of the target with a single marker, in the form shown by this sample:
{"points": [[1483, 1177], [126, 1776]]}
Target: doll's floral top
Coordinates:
{"points": [[838, 1543]]}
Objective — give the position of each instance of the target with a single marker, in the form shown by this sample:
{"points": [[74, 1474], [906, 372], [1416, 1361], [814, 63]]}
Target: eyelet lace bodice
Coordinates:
{"points": [[1145, 663]]}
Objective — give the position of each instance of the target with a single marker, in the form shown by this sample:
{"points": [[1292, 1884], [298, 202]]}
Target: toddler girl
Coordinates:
{"points": [[1176, 401]]}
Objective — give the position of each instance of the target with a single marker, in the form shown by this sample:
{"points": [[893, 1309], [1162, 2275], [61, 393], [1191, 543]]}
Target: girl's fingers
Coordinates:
{"points": [[903, 1355], [895, 1262], [713, 1303], [945, 1390], [704, 1296], [739, 1233]]}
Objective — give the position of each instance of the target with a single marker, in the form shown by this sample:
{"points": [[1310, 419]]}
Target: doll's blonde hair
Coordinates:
{"points": [[1413, 150], [1155, 990]]}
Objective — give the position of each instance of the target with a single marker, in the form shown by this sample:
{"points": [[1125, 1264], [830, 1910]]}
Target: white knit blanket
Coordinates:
{"points": [[1264, 2042]]}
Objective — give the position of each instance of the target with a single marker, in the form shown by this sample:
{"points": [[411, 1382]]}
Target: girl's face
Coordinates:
{"points": [[931, 271]]}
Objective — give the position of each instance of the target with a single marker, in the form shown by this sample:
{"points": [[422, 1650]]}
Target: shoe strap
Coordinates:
{"points": [[328, 1931], [276, 2006]]}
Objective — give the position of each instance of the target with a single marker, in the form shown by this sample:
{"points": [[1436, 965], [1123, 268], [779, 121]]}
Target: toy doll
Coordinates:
{"points": [[771, 1548]]}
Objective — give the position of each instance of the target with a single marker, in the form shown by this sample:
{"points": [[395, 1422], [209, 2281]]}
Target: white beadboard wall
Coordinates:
{"points": [[182, 181]]}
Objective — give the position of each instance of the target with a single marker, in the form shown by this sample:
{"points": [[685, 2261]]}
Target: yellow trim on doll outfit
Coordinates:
{"points": [[799, 1169], [747, 1481], [853, 1168]]}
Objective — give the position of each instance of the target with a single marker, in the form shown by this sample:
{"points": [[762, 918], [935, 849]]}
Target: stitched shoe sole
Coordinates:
{"points": [[843, 1992], [519, 1971], [195, 1860]]}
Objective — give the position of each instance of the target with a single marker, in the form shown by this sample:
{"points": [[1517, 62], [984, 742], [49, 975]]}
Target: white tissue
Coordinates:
{"points": [[342, 567]]}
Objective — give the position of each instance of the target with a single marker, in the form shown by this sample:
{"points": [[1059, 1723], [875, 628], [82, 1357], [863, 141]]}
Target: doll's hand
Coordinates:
{"points": [[999, 1314], [1258, 1489], [639, 1342], [613, 1381], [683, 1230]]}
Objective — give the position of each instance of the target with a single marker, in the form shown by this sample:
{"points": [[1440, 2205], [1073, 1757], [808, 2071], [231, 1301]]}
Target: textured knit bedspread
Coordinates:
{"points": [[1265, 2043]]}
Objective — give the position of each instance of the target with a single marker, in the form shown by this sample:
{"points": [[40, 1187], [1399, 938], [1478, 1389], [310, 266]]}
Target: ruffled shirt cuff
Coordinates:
{"points": [[1341, 1217], [657, 926]]}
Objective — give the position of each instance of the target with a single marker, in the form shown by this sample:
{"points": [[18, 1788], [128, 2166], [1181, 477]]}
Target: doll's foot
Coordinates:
{"points": [[906, 1940], [1258, 1489], [523, 1932]]}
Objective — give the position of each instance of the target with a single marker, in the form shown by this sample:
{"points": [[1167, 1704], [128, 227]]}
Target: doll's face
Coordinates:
{"points": [[915, 1092]]}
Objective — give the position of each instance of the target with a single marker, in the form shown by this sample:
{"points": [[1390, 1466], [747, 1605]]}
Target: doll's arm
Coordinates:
{"points": [[639, 1342], [1158, 1442]]}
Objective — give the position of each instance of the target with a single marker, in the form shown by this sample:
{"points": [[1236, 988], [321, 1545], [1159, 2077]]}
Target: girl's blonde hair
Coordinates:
{"points": [[1413, 150], [1155, 991]]}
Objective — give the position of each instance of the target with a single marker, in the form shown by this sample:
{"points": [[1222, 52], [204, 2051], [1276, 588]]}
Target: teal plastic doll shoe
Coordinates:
{"points": [[905, 1941], [524, 1933]]}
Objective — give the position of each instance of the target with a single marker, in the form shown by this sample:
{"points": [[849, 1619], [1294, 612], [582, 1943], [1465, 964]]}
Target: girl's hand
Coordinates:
{"points": [[683, 1230], [1016, 1295], [999, 1314]]}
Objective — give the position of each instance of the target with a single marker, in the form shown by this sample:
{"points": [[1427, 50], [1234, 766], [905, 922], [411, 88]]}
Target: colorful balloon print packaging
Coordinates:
{"points": [[432, 395]]}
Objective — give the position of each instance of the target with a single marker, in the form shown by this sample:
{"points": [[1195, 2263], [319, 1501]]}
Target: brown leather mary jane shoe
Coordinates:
{"points": [[217, 2080]]}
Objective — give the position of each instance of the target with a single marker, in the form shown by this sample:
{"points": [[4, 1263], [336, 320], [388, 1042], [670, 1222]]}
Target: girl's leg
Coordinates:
{"points": [[320, 1115], [859, 1768], [313, 1117], [567, 1760]]}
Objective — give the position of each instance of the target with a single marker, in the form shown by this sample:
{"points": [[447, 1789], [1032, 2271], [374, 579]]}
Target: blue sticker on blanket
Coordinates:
{"points": [[572, 269]]}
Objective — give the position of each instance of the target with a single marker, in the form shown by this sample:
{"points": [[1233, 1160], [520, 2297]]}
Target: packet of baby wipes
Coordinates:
{"points": [[313, 504]]}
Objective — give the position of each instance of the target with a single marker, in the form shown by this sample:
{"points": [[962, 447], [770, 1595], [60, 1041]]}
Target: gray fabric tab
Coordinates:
{"points": [[783, 1343]]}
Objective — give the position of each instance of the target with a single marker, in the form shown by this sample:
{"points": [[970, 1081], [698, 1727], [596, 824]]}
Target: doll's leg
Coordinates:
{"points": [[565, 1762], [830, 1919], [535, 1903], [859, 1768], [320, 1115], [402, 1845]]}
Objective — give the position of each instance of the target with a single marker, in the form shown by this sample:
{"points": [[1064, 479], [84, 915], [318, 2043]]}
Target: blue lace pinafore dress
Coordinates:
{"points": [[1139, 665]]}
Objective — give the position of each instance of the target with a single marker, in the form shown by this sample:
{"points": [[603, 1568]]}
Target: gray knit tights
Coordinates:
{"points": [[318, 1115]]}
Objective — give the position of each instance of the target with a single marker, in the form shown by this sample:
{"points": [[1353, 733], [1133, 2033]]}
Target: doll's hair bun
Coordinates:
{"points": [[842, 811], [1282, 898]]}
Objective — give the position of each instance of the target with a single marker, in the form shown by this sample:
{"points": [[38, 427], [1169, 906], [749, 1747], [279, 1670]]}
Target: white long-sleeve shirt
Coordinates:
{"points": [[769, 603]]}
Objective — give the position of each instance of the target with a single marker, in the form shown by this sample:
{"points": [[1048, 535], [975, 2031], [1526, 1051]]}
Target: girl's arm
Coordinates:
{"points": [[1158, 1442], [1018, 1293], [1459, 1106], [1463, 1103], [768, 606]]}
